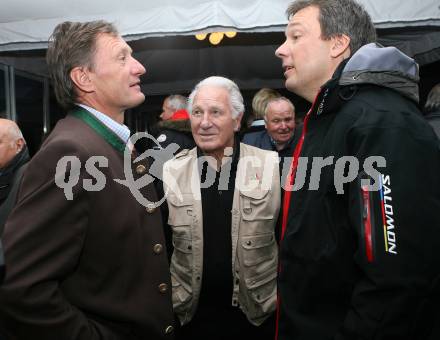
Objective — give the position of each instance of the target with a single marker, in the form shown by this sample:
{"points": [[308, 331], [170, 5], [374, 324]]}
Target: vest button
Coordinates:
{"points": [[247, 210]]}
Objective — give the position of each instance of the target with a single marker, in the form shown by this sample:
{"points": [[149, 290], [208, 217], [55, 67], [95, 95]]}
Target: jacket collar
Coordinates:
{"points": [[327, 99], [8, 172], [19, 159], [100, 128], [372, 64]]}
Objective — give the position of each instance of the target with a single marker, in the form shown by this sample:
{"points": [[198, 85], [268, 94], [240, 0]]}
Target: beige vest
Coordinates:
{"points": [[255, 207]]}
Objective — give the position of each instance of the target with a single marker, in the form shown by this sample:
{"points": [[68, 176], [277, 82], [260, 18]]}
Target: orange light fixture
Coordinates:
{"points": [[215, 37], [201, 36]]}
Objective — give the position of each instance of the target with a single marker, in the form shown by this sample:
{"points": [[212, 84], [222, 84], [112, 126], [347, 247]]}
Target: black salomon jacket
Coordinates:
{"points": [[359, 255]]}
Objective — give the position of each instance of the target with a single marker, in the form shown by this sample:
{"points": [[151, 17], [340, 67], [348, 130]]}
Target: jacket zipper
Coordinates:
{"points": [[367, 223], [290, 181], [290, 178]]}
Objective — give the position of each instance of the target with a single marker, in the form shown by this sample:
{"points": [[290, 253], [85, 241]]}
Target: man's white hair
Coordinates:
{"points": [[176, 102], [235, 97], [276, 100]]}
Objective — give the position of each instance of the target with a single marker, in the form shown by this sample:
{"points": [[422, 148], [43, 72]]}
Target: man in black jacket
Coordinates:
{"points": [[13, 155], [174, 127], [360, 227]]}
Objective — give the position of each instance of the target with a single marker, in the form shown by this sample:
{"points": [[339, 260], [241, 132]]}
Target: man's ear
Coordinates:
{"points": [[237, 122], [81, 78], [340, 46], [19, 143]]}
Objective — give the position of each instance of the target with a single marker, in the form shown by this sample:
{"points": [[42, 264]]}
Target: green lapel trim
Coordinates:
{"points": [[100, 128]]}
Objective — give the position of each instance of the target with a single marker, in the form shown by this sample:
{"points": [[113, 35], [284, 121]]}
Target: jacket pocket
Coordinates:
{"points": [[262, 287], [261, 295], [182, 296], [255, 206], [180, 220], [258, 249], [182, 258], [368, 219], [180, 210]]}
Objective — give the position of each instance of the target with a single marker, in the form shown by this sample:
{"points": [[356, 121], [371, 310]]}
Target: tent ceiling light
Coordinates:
{"points": [[215, 37], [201, 36]]}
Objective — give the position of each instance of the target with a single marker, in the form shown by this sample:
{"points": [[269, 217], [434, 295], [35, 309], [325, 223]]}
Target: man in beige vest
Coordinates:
{"points": [[223, 199]]}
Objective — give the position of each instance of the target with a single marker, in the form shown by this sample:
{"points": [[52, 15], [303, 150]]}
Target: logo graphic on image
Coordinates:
{"points": [[158, 157]]}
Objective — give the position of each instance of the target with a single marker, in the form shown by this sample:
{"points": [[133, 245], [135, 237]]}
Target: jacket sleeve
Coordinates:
{"points": [[397, 229], [43, 239]]}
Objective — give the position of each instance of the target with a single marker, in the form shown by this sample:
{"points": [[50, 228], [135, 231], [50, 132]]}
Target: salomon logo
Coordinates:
{"points": [[388, 215]]}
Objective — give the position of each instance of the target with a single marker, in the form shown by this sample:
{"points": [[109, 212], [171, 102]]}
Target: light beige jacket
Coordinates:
{"points": [[255, 207]]}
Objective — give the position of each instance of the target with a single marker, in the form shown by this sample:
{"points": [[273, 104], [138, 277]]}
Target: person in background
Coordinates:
{"points": [[360, 231], [281, 133], [84, 258], [174, 126], [223, 200], [13, 158], [173, 104], [259, 103], [13, 155], [432, 109]]}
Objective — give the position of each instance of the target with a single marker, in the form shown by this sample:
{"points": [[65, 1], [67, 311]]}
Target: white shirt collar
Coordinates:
{"points": [[121, 130]]}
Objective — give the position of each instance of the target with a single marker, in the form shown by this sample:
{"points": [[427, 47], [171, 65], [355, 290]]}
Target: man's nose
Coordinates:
{"points": [[139, 68], [280, 51], [206, 121]]}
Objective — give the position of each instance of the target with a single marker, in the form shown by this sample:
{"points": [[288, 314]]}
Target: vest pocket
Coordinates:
{"points": [[262, 287], [180, 210], [258, 249], [181, 296], [261, 294], [259, 271], [182, 258], [255, 206]]}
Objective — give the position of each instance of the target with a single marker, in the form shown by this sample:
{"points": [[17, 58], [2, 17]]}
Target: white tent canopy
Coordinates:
{"points": [[161, 32], [26, 24]]}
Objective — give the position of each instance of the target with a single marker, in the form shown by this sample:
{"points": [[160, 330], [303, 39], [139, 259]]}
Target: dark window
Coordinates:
{"points": [[29, 94], [56, 111], [3, 91]]}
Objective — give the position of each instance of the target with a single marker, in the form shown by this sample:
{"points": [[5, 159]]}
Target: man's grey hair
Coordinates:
{"points": [[176, 102], [235, 97], [337, 17], [433, 102], [276, 100], [73, 44]]}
